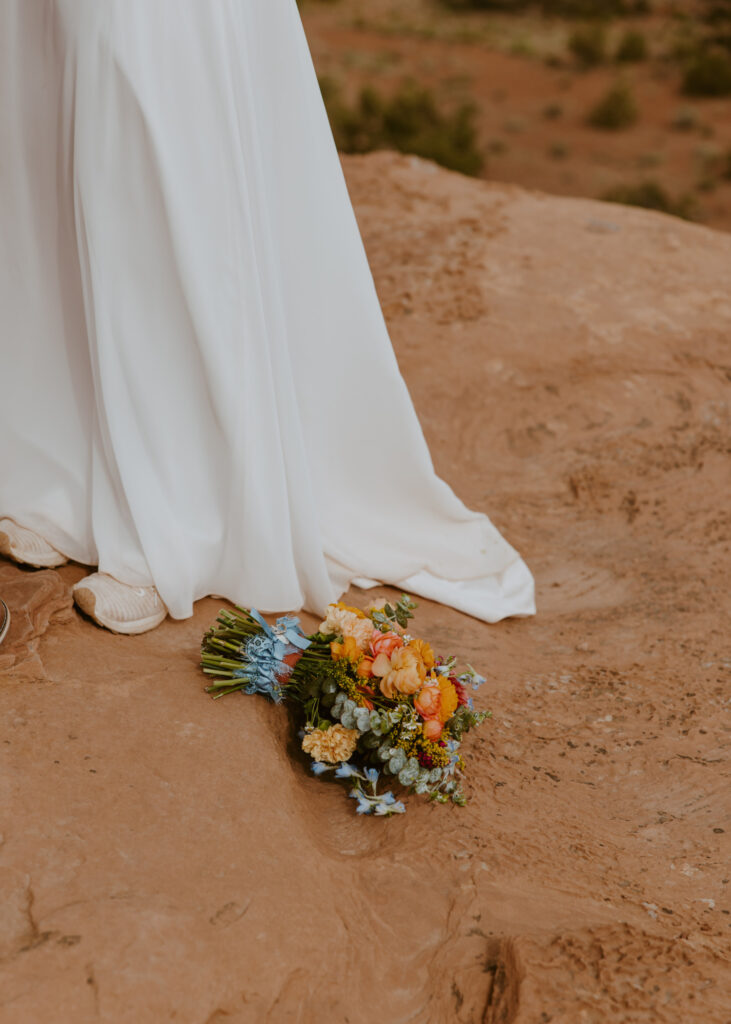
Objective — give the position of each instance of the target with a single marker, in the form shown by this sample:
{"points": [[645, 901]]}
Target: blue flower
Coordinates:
{"points": [[372, 774], [319, 768], [345, 771]]}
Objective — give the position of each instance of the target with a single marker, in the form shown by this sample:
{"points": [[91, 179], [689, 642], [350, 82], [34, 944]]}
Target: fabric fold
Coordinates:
{"points": [[180, 253]]}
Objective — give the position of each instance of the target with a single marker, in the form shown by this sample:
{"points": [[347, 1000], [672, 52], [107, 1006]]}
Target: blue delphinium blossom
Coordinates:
{"points": [[319, 768], [364, 805], [345, 771]]}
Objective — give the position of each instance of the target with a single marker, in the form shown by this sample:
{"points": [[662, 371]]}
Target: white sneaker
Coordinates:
{"points": [[27, 547], [118, 606]]}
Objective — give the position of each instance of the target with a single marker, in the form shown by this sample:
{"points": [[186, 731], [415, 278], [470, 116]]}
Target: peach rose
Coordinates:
{"points": [[385, 643], [406, 673], [428, 701], [361, 631], [432, 728]]}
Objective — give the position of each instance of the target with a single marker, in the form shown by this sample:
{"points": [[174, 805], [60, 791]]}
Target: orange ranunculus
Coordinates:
{"points": [[347, 649], [385, 643], [406, 675], [425, 652], [428, 701], [432, 728], [365, 669], [449, 699]]}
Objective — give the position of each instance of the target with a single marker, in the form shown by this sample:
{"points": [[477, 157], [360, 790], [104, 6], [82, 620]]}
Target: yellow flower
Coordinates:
{"points": [[425, 652], [347, 649], [349, 608], [333, 745]]}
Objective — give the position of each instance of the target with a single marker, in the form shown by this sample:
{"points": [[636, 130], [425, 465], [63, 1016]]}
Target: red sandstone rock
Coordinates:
{"points": [[168, 857], [35, 599]]}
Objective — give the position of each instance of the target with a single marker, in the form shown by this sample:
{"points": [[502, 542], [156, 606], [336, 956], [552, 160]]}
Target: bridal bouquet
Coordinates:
{"points": [[376, 700]]}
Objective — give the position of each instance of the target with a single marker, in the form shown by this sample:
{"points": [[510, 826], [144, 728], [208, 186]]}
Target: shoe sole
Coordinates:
{"points": [[86, 600], [52, 561]]}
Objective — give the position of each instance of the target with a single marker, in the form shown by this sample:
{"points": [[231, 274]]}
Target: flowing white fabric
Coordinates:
{"points": [[198, 386]]}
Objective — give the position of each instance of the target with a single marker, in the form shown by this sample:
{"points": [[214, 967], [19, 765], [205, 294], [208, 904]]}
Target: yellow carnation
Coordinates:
{"points": [[333, 745]]}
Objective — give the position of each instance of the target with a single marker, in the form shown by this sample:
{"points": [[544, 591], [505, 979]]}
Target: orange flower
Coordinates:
{"points": [[449, 700], [432, 728], [347, 649], [428, 701], [406, 672], [365, 669], [425, 652], [385, 643]]}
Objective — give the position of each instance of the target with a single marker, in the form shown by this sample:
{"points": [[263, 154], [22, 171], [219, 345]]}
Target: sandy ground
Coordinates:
{"points": [[380, 43], [168, 858]]}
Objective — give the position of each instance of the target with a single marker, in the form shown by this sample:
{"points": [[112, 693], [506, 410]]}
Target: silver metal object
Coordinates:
{"points": [[4, 620]]}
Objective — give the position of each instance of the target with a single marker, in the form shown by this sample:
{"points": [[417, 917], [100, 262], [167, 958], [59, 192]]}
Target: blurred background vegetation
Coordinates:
{"points": [[626, 100]]}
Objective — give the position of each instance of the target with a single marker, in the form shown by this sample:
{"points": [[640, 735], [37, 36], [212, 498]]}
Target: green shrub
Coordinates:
{"points": [[708, 73], [632, 47], [409, 121], [651, 196], [588, 44], [615, 110], [685, 120]]}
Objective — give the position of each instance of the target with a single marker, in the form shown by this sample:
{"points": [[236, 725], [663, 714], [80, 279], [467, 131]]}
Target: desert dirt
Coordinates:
{"points": [[498, 62], [165, 857]]}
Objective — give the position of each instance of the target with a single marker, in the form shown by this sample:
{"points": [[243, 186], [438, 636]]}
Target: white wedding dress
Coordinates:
{"points": [[198, 389]]}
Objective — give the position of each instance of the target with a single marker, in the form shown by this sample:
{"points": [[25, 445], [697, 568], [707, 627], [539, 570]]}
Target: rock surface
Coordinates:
{"points": [[165, 857]]}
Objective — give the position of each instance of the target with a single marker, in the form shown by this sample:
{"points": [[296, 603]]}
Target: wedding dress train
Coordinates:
{"points": [[198, 390]]}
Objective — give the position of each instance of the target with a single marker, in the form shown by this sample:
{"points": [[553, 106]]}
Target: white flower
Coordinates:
{"points": [[361, 631], [337, 619]]}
